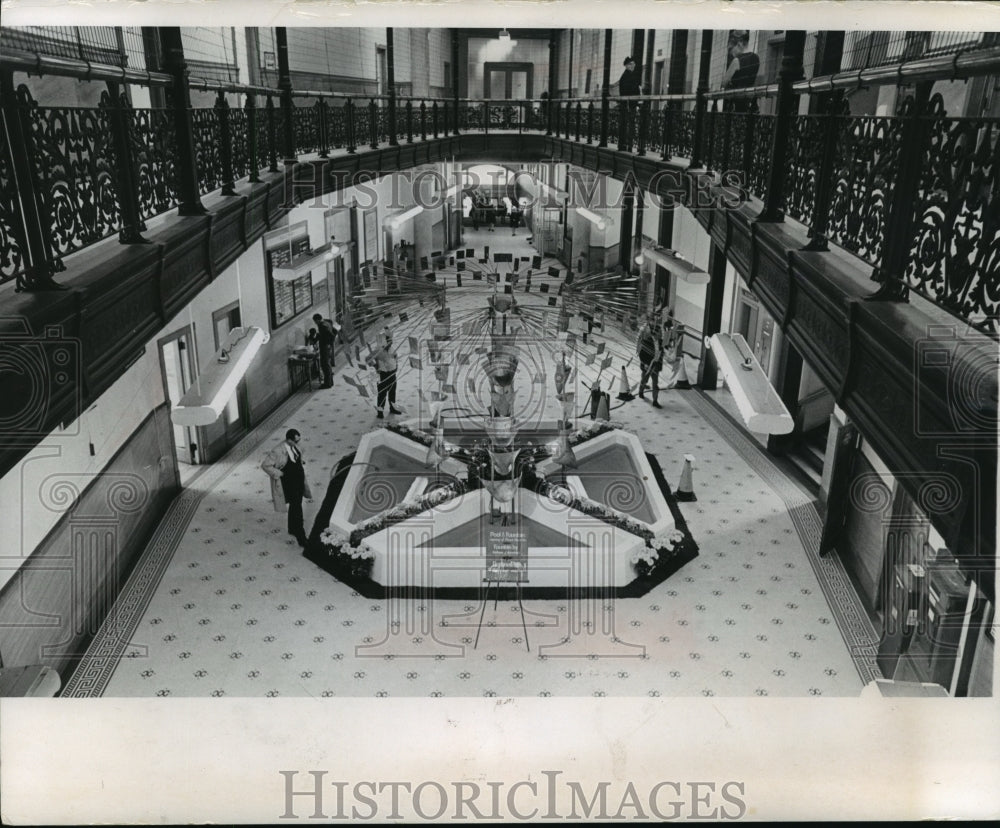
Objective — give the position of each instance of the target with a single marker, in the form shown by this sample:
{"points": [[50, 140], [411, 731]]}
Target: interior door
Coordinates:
{"points": [[177, 365], [516, 86]]}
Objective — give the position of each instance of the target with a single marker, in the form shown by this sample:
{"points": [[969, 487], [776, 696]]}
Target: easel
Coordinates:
{"points": [[506, 570]]}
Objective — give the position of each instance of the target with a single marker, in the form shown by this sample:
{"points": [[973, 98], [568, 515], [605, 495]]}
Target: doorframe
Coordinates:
{"points": [[242, 397], [491, 66], [193, 363]]}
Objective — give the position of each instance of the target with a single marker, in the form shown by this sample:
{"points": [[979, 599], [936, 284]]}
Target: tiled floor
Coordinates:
{"points": [[224, 604]]}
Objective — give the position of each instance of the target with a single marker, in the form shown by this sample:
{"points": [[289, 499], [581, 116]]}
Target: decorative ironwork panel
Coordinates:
{"points": [[739, 124], [154, 149], [955, 255], [263, 138], [205, 123], [471, 116], [716, 128], [760, 165], [361, 121], [336, 119], [239, 136], [654, 127], [805, 154], [306, 122], [382, 123], [613, 123], [75, 173], [12, 238], [503, 116], [867, 161], [680, 139]]}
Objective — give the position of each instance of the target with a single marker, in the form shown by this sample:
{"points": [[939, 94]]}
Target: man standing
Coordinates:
{"points": [[650, 351], [286, 468], [326, 333], [629, 83], [385, 364]]}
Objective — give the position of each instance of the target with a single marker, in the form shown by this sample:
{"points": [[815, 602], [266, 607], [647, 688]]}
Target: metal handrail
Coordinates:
{"points": [[34, 63], [203, 85], [943, 67]]}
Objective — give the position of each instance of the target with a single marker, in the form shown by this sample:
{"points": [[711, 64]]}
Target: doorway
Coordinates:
{"points": [[235, 415], [380, 72], [177, 365], [508, 81]]}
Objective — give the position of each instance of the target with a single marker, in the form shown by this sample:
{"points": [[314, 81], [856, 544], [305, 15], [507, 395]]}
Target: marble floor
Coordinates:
{"points": [[223, 603]]}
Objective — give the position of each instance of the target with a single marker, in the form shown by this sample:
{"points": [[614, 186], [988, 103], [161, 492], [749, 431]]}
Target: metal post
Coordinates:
{"points": [[605, 83], [349, 126], [120, 112], [700, 105], [324, 137], [390, 71], [225, 144], [188, 194], [409, 122], [253, 147], [287, 104], [272, 135], [791, 71]]}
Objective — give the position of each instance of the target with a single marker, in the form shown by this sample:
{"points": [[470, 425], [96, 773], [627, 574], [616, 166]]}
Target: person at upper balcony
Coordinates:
{"points": [[630, 83], [742, 70]]}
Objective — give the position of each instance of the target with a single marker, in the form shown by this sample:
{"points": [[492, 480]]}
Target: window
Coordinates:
{"points": [[447, 75], [586, 86], [287, 299]]}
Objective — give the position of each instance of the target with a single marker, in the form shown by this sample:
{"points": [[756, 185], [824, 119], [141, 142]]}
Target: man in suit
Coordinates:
{"points": [[326, 332], [286, 468]]}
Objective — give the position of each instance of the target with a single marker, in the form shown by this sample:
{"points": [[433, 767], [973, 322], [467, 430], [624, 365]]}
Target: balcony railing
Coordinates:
{"points": [[93, 172]]}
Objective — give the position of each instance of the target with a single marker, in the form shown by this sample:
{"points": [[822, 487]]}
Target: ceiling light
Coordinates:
{"points": [[600, 222], [305, 262]]}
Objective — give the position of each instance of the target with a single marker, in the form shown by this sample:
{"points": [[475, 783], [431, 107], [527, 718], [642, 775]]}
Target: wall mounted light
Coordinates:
{"points": [[675, 263], [394, 222], [759, 404], [215, 386], [600, 222], [305, 262]]}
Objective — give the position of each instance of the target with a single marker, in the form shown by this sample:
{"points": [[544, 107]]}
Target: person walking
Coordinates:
{"points": [[649, 349], [286, 468], [385, 364]]}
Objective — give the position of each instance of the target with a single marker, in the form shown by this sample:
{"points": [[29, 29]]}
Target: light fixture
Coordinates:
{"points": [[215, 386], [600, 222], [302, 263], [675, 263], [759, 404], [536, 187], [394, 222]]}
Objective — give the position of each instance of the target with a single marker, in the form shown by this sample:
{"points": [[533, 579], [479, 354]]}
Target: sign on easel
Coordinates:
{"points": [[506, 554]]}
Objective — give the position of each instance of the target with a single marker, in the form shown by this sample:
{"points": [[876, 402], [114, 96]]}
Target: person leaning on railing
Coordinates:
{"points": [[742, 70]]}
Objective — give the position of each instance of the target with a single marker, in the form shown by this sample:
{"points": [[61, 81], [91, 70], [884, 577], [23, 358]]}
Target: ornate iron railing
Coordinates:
{"points": [[154, 149]]}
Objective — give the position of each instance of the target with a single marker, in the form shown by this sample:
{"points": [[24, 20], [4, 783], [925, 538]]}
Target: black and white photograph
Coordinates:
{"points": [[521, 412]]}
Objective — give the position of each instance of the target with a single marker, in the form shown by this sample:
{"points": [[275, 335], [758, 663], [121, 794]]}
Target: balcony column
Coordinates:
{"points": [[605, 83], [647, 68], [917, 121], [390, 75], [626, 221], [285, 85], [30, 227], [791, 71], [705, 63], [708, 369], [179, 99], [454, 79]]}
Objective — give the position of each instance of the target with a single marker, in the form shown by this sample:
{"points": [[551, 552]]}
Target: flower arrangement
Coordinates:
{"points": [[589, 430], [352, 556], [404, 510], [656, 552], [593, 509], [414, 434]]}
